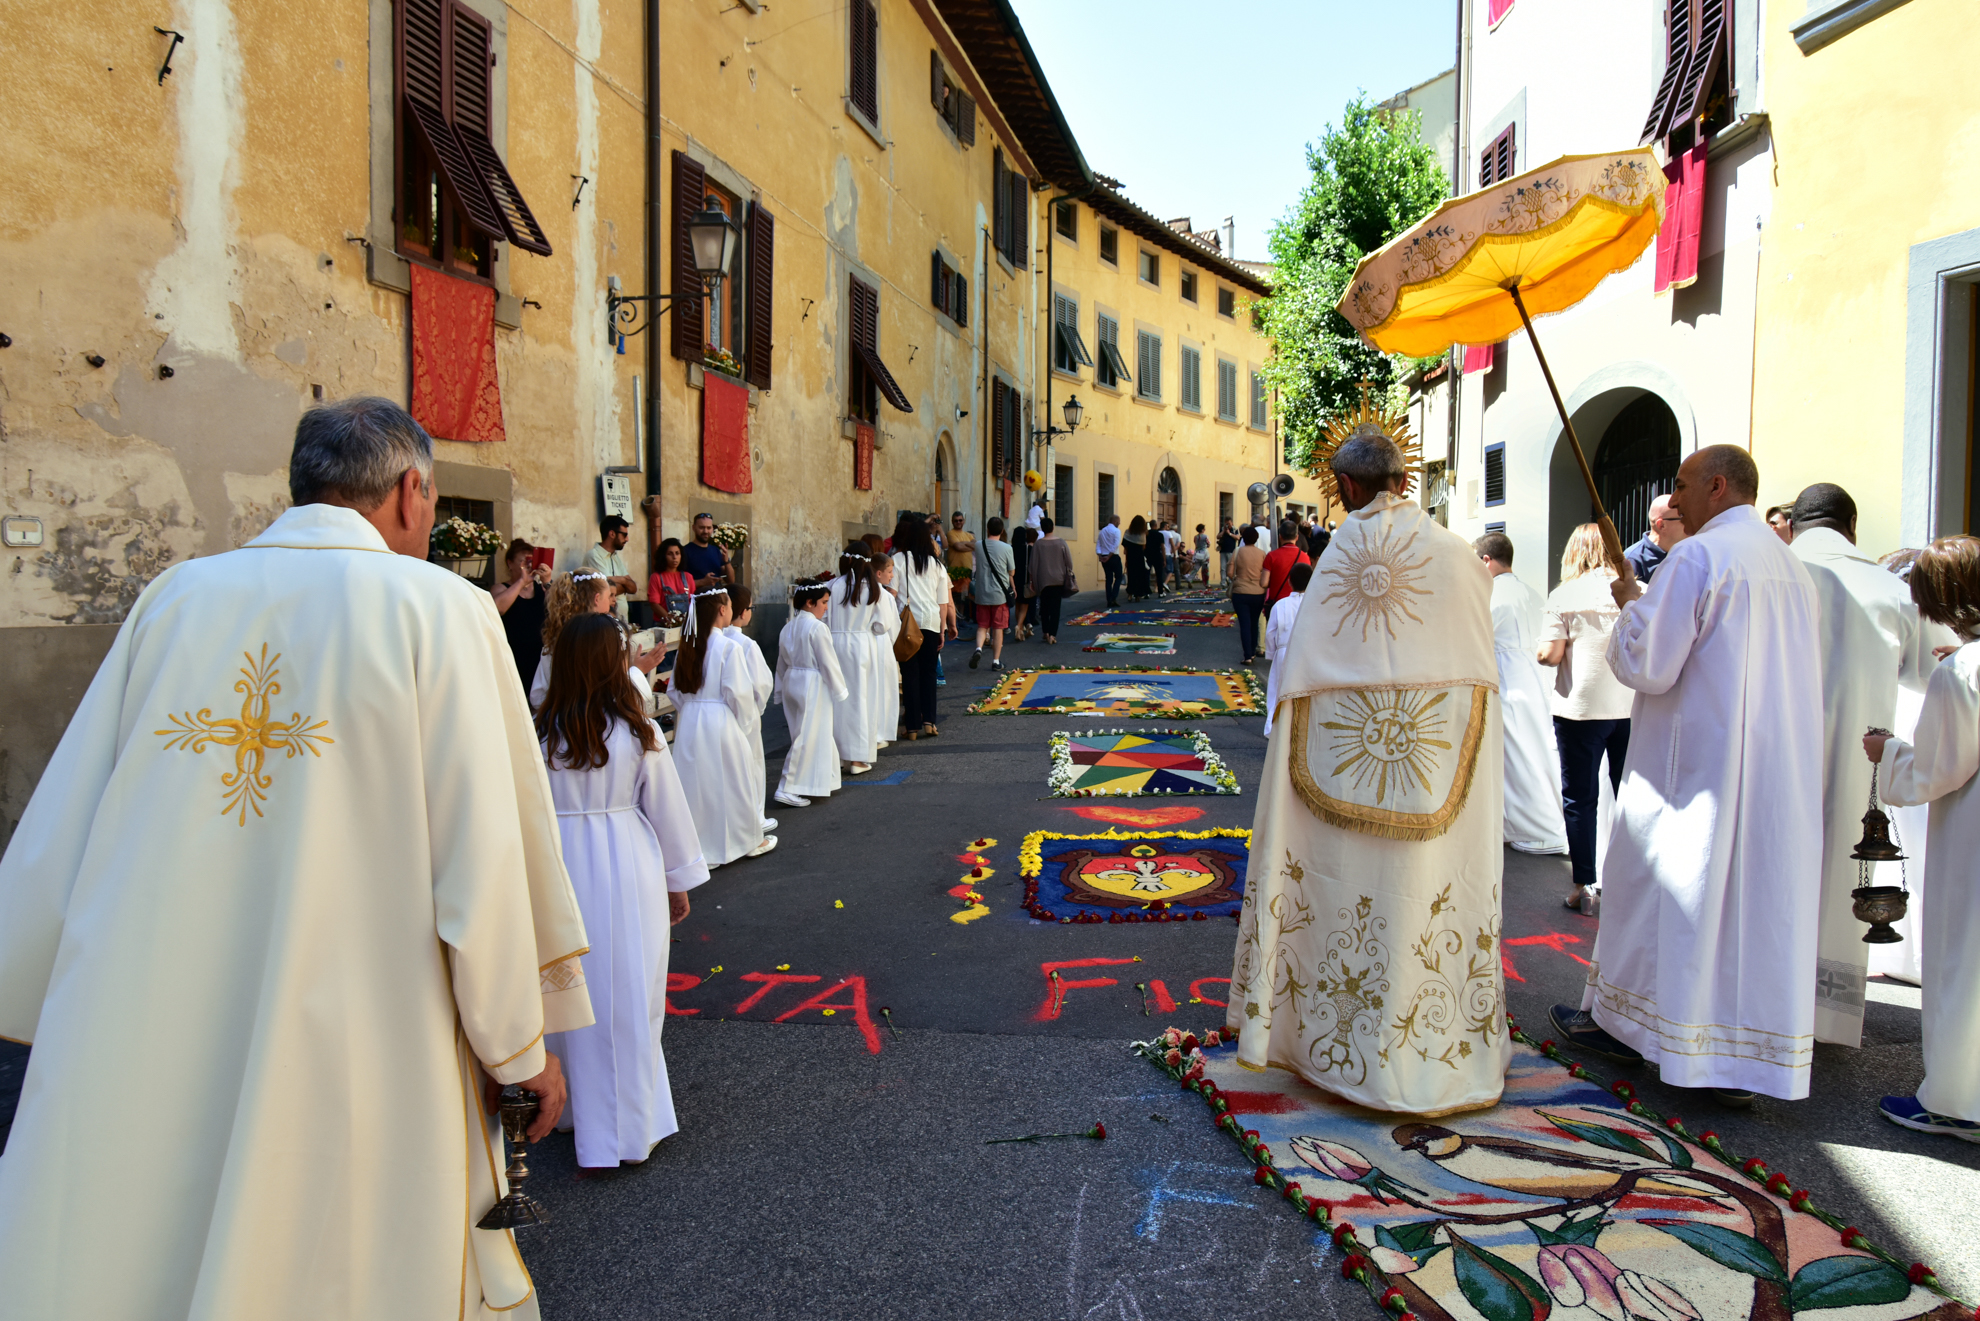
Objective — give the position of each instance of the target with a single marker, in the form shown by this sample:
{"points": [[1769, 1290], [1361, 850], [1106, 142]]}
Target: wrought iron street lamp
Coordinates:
{"points": [[713, 235]]}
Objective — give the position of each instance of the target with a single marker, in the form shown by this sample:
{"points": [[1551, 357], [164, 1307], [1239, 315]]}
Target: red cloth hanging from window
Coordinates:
{"points": [[863, 457], [725, 434], [1478, 358], [455, 393], [1497, 10], [1684, 212]]}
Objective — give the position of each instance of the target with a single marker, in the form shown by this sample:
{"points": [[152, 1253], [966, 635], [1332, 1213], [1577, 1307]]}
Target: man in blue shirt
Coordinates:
{"points": [[1107, 545], [701, 556], [1666, 530]]}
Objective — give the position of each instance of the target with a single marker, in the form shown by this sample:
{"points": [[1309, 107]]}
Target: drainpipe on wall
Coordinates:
{"points": [[655, 354], [983, 404]]}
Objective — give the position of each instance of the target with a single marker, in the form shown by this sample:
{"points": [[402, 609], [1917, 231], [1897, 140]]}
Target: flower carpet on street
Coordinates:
{"points": [[1157, 617], [1563, 1195], [1135, 816], [1140, 644], [1127, 763], [1177, 693], [1134, 876]]}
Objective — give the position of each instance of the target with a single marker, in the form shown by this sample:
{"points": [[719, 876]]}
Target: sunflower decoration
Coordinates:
{"points": [[1366, 419]]}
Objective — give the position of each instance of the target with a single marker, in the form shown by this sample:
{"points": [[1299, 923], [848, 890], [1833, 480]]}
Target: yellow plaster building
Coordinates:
{"points": [[1864, 360]]}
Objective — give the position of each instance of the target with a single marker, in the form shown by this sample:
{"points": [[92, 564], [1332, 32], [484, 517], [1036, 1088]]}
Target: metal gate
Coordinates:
{"points": [[1168, 498], [1636, 462]]}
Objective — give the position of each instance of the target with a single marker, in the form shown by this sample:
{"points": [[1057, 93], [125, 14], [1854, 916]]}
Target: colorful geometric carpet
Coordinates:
{"points": [[1140, 644], [1177, 693], [1155, 617], [1560, 1196], [1124, 763], [1134, 876]]}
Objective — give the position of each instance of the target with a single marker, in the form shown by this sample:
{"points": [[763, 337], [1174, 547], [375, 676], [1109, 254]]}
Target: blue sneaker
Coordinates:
{"points": [[1905, 1112]]}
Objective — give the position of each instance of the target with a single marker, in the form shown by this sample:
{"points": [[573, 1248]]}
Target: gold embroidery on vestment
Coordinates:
{"points": [[1391, 744], [1466, 999], [252, 736], [1374, 579]]}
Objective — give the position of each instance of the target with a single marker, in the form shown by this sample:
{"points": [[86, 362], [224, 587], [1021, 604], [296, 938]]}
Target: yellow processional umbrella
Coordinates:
{"points": [[1482, 266]]}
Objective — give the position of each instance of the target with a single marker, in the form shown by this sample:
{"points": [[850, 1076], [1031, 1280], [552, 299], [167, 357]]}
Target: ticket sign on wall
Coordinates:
{"points": [[615, 494]]}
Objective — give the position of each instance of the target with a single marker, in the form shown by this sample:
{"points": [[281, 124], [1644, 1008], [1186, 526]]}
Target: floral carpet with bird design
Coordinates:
{"points": [[1562, 1196], [1175, 693], [1134, 876]]}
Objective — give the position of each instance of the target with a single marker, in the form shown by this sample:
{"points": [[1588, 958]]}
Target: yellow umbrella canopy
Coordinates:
{"points": [[1481, 266], [1553, 233]]}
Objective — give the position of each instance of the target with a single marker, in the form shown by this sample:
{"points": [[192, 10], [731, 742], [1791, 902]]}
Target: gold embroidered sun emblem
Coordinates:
{"points": [[252, 737], [1367, 419], [1374, 578], [1390, 738]]}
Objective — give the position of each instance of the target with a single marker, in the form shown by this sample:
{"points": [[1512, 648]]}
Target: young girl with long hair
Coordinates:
{"points": [[573, 596], [810, 682], [863, 624], [757, 768], [714, 697], [889, 719], [632, 853], [923, 585]]}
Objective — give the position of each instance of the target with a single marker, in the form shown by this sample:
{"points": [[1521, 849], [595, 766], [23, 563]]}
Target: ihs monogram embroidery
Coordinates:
{"points": [[1374, 581], [252, 736], [1387, 738]]}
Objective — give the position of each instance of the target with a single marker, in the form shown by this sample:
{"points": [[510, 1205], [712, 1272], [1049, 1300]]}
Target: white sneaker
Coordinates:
{"points": [[789, 800], [769, 824], [858, 767], [769, 842]]}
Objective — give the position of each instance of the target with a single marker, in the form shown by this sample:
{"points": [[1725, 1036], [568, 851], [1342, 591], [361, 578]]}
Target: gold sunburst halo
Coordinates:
{"points": [[1368, 418], [1390, 738]]}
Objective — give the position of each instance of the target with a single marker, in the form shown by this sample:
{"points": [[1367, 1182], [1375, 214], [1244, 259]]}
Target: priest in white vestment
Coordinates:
{"points": [[1872, 647], [288, 889], [1705, 961], [1535, 822], [1368, 947], [1940, 765]]}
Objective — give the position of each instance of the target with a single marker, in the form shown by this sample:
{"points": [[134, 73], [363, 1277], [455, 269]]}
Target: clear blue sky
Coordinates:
{"points": [[1205, 109]]}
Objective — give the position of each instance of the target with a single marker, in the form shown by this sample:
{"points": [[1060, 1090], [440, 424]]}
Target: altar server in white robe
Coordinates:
{"points": [[633, 854], [1705, 961], [1910, 824], [1278, 634], [288, 889], [1534, 820], [863, 623], [715, 701], [1872, 648], [1368, 944], [765, 683], [1941, 766], [809, 681]]}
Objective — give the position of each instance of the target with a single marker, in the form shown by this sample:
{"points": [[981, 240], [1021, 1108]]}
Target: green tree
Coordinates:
{"points": [[1373, 177]]}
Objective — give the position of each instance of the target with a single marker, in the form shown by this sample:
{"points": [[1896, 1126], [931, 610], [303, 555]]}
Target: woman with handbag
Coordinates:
{"points": [[1051, 578], [1134, 549], [863, 625], [923, 584]]}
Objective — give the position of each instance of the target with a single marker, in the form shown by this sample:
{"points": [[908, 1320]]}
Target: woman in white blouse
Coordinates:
{"points": [[923, 584], [1591, 706]]}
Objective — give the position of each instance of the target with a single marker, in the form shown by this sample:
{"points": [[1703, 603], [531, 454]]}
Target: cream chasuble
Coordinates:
{"points": [[1872, 645], [1705, 959], [291, 872], [1368, 948]]}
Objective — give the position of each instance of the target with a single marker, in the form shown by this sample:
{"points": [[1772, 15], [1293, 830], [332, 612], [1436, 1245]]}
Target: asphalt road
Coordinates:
{"points": [[816, 1177]]}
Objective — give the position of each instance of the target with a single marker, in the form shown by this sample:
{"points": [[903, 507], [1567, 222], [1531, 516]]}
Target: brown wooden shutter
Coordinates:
{"points": [[866, 344], [1495, 164], [1700, 71], [760, 267], [965, 118], [936, 81], [938, 288], [865, 39], [690, 186], [996, 429], [1020, 209], [960, 291], [425, 76], [1677, 54], [473, 59], [1014, 420], [999, 195]]}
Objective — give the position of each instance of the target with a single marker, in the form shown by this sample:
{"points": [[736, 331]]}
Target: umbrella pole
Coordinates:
{"points": [[1610, 539]]}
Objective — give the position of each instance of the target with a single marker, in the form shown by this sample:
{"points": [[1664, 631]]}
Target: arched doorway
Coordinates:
{"points": [[947, 494], [1636, 462], [1168, 497], [1634, 443]]}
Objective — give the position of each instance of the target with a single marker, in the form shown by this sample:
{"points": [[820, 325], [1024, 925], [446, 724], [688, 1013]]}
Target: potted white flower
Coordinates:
{"points": [[464, 546]]}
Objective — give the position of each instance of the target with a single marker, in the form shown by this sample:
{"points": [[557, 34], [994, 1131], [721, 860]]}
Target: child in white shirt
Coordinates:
{"points": [[1278, 633], [810, 681]]}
